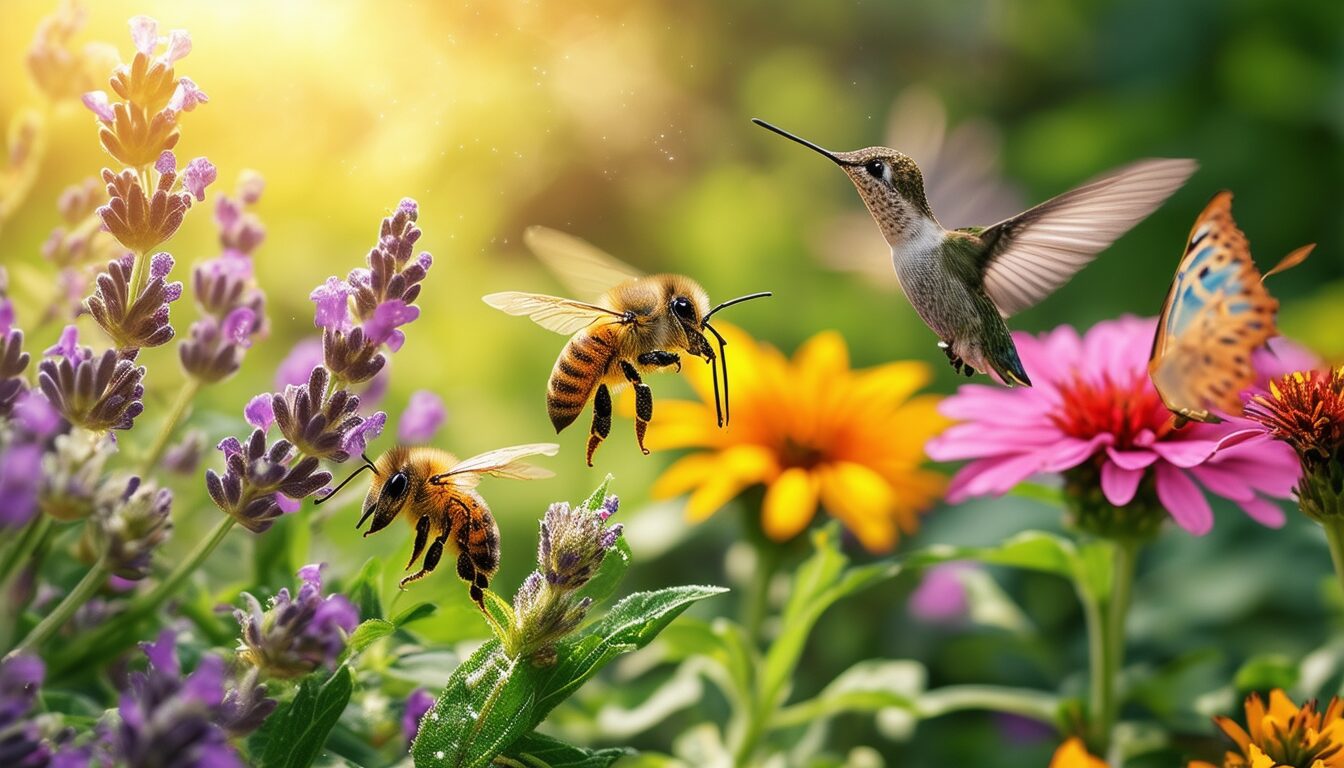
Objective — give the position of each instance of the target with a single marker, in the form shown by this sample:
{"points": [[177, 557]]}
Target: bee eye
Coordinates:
{"points": [[682, 307], [875, 168], [396, 486]]}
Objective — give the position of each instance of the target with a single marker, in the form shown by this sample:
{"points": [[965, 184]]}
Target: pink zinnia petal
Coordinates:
{"points": [[1183, 499], [999, 476], [1070, 452], [1131, 459], [1185, 453], [1264, 512], [1119, 484]]}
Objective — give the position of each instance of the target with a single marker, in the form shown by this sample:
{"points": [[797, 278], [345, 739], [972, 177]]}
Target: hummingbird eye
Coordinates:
{"points": [[875, 168], [682, 308], [396, 486]]}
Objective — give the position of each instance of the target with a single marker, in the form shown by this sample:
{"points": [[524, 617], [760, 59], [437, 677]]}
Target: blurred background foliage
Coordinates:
{"points": [[627, 124]]}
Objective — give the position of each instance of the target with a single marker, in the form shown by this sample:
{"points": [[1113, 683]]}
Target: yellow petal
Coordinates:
{"points": [[1259, 759], [861, 499], [893, 382], [687, 473], [824, 354], [790, 502], [736, 468], [681, 424], [1072, 754]]}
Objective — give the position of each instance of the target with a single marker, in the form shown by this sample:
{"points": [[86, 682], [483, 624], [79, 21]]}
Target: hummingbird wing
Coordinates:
{"points": [[1031, 254], [584, 268]]}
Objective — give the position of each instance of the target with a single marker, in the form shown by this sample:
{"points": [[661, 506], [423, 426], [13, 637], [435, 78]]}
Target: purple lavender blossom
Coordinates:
{"points": [[417, 704], [20, 480], [144, 34], [96, 393], [130, 520], [255, 477], [168, 719], [382, 327], [99, 104], [367, 431], [296, 635], [143, 321], [179, 45], [199, 174], [20, 738], [423, 416], [333, 304], [260, 412]]}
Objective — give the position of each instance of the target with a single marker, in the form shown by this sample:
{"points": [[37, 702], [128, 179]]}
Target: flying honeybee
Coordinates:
{"points": [[639, 325], [437, 495]]}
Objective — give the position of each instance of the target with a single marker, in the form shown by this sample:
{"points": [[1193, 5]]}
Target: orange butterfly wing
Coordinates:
{"points": [[1216, 314]]}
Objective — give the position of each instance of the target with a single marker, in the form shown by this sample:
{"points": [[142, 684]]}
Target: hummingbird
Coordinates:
{"points": [[963, 283]]}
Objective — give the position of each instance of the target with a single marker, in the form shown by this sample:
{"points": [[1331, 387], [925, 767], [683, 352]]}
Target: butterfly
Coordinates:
{"points": [[1216, 314]]}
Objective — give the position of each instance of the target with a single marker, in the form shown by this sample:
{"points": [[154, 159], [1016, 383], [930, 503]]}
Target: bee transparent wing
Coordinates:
{"points": [[1033, 253], [585, 269], [552, 312], [504, 462]]}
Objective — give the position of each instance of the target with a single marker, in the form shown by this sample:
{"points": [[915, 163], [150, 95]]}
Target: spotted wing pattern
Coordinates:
{"points": [[1217, 313]]}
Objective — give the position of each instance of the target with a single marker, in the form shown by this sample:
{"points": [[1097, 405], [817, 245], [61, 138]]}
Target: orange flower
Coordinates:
{"points": [[811, 430], [1072, 754], [1284, 735]]}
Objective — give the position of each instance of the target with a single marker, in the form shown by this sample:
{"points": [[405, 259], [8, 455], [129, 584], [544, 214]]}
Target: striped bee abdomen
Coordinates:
{"points": [[581, 365]]}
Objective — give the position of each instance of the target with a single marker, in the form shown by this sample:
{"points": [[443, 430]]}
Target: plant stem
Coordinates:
{"points": [[165, 589], [1106, 642], [756, 603], [138, 267], [1334, 536], [29, 540], [53, 621], [184, 398]]}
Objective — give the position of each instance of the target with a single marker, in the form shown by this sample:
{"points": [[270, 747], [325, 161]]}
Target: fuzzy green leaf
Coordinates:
{"points": [[301, 728], [368, 633], [535, 749]]}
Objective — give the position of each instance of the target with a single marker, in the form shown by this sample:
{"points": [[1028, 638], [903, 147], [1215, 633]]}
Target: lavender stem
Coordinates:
{"points": [[184, 398], [85, 589]]}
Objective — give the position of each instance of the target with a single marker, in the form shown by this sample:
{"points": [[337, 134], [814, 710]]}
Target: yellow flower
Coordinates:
{"points": [[811, 430], [1072, 754], [1284, 735]]}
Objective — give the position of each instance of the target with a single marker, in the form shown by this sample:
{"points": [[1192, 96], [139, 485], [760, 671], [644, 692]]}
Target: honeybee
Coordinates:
{"points": [[637, 326], [437, 495]]}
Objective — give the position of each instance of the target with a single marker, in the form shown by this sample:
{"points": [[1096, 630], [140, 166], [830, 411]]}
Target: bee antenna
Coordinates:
{"points": [[723, 356], [367, 465], [731, 302]]}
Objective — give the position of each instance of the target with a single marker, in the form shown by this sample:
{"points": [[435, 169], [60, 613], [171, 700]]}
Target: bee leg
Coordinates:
{"points": [[643, 402], [601, 420], [421, 538], [432, 557], [660, 359]]}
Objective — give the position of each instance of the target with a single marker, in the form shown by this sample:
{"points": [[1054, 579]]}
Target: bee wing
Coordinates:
{"points": [[585, 269], [551, 312], [503, 462]]}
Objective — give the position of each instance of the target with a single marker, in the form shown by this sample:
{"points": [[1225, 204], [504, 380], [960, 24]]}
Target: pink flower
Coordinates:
{"points": [[145, 34], [179, 45], [199, 174], [940, 597], [423, 416], [1094, 402], [381, 328], [260, 411], [333, 304], [98, 104], [186, 96], [167, 162]]}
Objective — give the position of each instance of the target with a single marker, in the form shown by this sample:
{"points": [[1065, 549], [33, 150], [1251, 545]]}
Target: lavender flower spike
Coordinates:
{"points": [[130, 521], [96, 393], [296, 635], [21, 739]]}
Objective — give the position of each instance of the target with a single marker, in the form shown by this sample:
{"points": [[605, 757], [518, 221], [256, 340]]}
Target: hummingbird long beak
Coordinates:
{"points": [[828, 153]]}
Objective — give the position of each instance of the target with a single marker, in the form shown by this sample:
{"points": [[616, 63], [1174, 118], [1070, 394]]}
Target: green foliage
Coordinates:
{"points": [[295, 734]]}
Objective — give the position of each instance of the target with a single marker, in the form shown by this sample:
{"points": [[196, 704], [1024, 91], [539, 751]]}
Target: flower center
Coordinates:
{"points": [[1123, 409], [795, 454]]}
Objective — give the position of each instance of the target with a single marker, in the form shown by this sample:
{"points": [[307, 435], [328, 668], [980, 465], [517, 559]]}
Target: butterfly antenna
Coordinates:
{"points": [[367, 465]]}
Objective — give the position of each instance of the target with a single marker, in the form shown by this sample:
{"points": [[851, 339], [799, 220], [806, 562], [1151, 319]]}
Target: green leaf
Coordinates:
{"points": [[301, 728], [595, 499], [821, 580], [535, 749], [414, 613], [363, 589], [1267, 672], [492, 700], [368, 633], [868, 686], [1029, 550]]}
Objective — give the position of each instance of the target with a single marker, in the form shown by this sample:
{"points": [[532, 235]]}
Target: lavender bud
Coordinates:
{"points": [[317, 423], [296, 635], [130, 520], [255, 474], [96, 393], [245, 706], [13, 362], [140, 322], [70, 474], [185, 455]]}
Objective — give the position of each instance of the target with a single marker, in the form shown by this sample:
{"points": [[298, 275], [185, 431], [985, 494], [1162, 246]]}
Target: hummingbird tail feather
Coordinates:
{"points": [[1004, 361]]}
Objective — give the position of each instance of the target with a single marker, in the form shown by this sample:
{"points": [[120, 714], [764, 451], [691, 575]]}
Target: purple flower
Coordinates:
{"points": [[135, 321], [20, 478], [298, 365], [245, 706], [130, 521], [145, 34], [160, 708], [68, 345], [259, 412], [296, 635], [423, 416], [238, 326], [941, 595], [255, 475], [288, 505], [6, 316], [21, 743], [417, 704], [35, 414], [186, 97], [367, 431], [167, 162], [98, 103], [200, 173], [381, 328], [333, 304]]}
